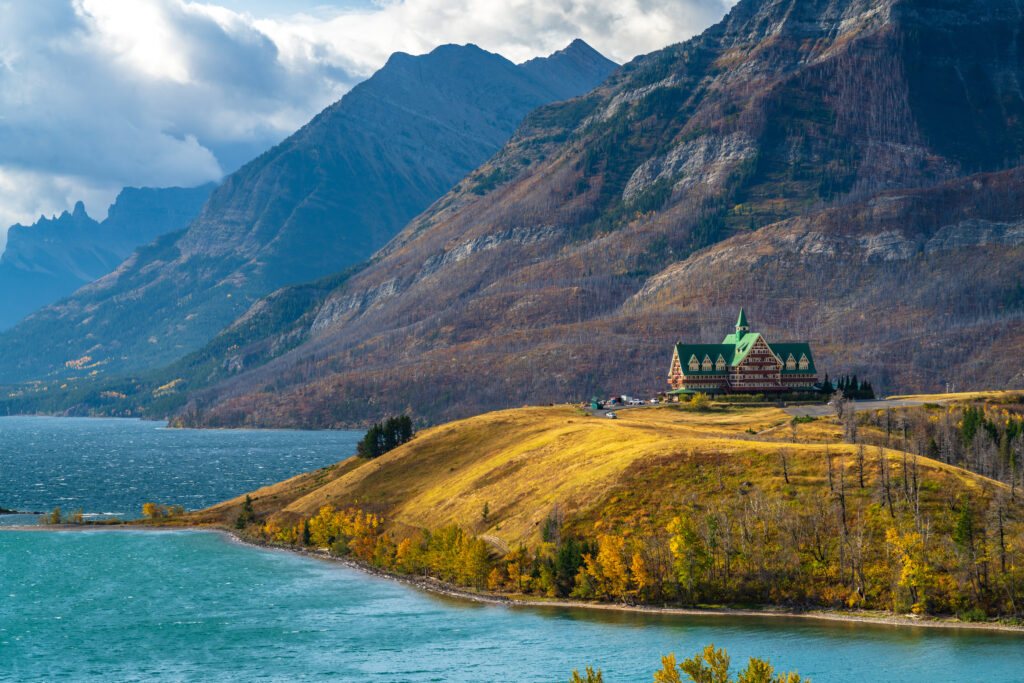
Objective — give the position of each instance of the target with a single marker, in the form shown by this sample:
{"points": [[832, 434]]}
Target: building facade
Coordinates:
{"points": [[743, 363]]}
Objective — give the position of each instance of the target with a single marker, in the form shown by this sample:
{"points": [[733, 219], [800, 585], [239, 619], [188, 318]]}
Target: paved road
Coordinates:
{"points": [[817, 410], [859, 406], [602, 412]]}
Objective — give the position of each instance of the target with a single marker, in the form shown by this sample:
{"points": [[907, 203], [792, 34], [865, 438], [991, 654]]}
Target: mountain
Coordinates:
{"points": [[327, 197], [55, 256], [845, 169]]}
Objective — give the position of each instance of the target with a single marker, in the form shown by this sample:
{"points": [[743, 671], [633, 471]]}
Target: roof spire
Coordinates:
{"points": [[741, 323]]}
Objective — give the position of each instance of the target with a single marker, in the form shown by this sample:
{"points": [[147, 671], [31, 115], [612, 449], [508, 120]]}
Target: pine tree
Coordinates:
{"points": [[247, 514], [386, 436]]}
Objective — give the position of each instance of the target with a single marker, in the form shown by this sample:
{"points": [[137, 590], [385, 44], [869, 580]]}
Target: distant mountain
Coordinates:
{"points": [[327, 197], [845, 169], [55, 256]]}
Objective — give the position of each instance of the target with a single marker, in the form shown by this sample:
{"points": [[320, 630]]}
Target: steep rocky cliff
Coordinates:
{"points": [[55, 256], [327, 197], [843, 168]]}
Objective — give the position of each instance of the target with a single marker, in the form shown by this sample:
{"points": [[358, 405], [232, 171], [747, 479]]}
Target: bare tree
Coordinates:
{"points": [[860, 463], [850, 424], [886, 491], [828, 458], [838, 404]]}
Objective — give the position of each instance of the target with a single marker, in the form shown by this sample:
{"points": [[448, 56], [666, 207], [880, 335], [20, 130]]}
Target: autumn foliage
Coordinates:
{"points": [[680, 508]]}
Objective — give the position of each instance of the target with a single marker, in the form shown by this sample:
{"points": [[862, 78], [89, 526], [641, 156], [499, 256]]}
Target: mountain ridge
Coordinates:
{"points": [[326, 197], [518, 286], [55, 256]]}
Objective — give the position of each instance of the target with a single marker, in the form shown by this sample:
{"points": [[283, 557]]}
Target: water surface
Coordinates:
{"points": [[194, 605], [116, 465], [120, 605]]}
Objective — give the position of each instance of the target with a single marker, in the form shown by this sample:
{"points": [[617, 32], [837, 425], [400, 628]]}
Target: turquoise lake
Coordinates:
{"points": [[121, 605]]}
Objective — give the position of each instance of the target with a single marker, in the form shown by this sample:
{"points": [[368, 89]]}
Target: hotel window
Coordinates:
{"points": [[694, 364], [720, 365], [791, 363], [804, 364], [707, 364]]}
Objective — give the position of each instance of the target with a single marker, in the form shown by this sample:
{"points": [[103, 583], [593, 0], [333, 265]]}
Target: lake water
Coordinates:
{"points": [[194, 605], [115, 466]]}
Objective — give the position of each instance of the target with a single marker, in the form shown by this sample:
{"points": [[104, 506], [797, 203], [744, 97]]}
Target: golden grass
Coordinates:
{"points": [[618, 473]]}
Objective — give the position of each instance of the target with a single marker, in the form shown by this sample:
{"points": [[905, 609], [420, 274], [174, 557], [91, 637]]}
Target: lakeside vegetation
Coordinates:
{"points": [[739, 506]]}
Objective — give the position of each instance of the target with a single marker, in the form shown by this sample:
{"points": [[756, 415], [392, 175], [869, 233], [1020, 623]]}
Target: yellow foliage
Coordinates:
{"points": [[608, 570], [78, 363], [167, 388]]}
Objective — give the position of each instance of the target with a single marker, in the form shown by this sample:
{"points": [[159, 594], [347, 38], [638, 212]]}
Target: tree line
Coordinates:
{"points": [[986, 439], [868, 542], [850, 387]]}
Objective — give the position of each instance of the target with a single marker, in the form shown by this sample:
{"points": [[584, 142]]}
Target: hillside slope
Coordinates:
{"points": [[524, 462], [733, 505], [53, 257], [326, 197], [843, 169]]}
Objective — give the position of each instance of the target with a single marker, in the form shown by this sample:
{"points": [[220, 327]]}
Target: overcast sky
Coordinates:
{"points": [[99, 94]]}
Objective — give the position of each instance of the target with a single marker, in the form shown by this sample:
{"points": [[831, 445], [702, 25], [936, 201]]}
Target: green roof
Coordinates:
{"points": [[735, 347], [712, 351], [743, 346], [797, 349], [742, 320]]}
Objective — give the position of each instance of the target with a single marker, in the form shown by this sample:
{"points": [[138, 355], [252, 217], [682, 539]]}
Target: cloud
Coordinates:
{"points": [[99, 94]]}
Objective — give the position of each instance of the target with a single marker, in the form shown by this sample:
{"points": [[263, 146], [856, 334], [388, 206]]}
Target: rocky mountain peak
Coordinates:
{"points": [[325, 198], [761, 163]]}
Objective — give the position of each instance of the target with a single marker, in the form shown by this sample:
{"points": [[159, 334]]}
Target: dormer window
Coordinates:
{"points": [[694, 364], [707, 364], [720, 364], [791, 363], [804, 363]]}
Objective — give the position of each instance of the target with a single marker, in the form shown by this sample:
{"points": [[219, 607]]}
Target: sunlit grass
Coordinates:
{"points": [[628, 473]]}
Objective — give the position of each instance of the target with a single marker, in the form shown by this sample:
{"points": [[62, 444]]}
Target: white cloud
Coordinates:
{"points": [[98, 94]]}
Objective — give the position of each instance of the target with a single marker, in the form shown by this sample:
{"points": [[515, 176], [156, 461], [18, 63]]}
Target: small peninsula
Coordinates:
{"points": [[691, 505]]}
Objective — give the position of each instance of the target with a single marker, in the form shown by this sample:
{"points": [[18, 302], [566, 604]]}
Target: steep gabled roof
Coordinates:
{"points": [[797, 349], [745, 343], [713, 351]]}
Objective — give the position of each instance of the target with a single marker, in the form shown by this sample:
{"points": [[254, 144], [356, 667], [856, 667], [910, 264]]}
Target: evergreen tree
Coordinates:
{"points": [[247, 514], [969, 425], [381, 438], [963, 533]]}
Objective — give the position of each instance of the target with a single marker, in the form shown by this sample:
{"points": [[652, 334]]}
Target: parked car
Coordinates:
{"points": [[610, 415]]}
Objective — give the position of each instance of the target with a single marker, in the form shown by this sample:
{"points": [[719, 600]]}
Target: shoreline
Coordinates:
{"points": [[438, 587]]}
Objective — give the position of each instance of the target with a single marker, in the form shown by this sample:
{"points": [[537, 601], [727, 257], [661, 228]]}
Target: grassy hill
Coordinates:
{"points": [[761, 495], [525, 461]]}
